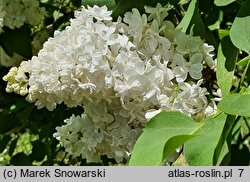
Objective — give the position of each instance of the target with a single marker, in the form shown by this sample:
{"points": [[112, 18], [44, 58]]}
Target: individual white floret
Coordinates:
{"points": [[99, 13]]}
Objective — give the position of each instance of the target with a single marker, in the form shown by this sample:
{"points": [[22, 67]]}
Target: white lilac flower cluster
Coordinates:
{"points": [[122, 73], [14, 13]]}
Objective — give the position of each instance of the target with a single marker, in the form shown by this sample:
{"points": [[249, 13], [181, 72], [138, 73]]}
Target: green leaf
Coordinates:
{"points": [[161, 136], [192, 23], [244, 61], [17, 40], [240, 30], [200, 150], [225, 137], [225, 156], [174, 143], [227, 55], [184, 25], [223, 33], [236, 104], [109, 3], [223, 2]]}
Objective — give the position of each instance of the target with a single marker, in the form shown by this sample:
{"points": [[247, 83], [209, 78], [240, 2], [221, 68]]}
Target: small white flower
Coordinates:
{"points": [[159, 13], [218, 95], [180, 70], [192, 99], [136, 24], [152, 113], [194, 66], [100, 13], [211, 109], [208, 55]]}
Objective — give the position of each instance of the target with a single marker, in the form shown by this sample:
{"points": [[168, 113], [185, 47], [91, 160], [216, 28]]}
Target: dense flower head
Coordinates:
{"points": [[122, 72], [14, 13]]}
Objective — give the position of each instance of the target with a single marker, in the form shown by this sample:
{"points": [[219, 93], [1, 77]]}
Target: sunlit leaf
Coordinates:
{"points": [[193, 23], [223, 2], [200, 150], [227, 55], [223, 33], [162, 135], [236, 104], [185, 22], [240, 30], [244, 61], [220, 149]]}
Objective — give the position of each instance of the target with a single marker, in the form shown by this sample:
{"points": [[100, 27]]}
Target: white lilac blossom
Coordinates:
{"points": [[14, 13], [122, 72]]}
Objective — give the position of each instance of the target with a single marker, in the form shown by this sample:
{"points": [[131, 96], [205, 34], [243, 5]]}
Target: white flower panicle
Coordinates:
{"points": [[123, 73], [14, 13]]}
